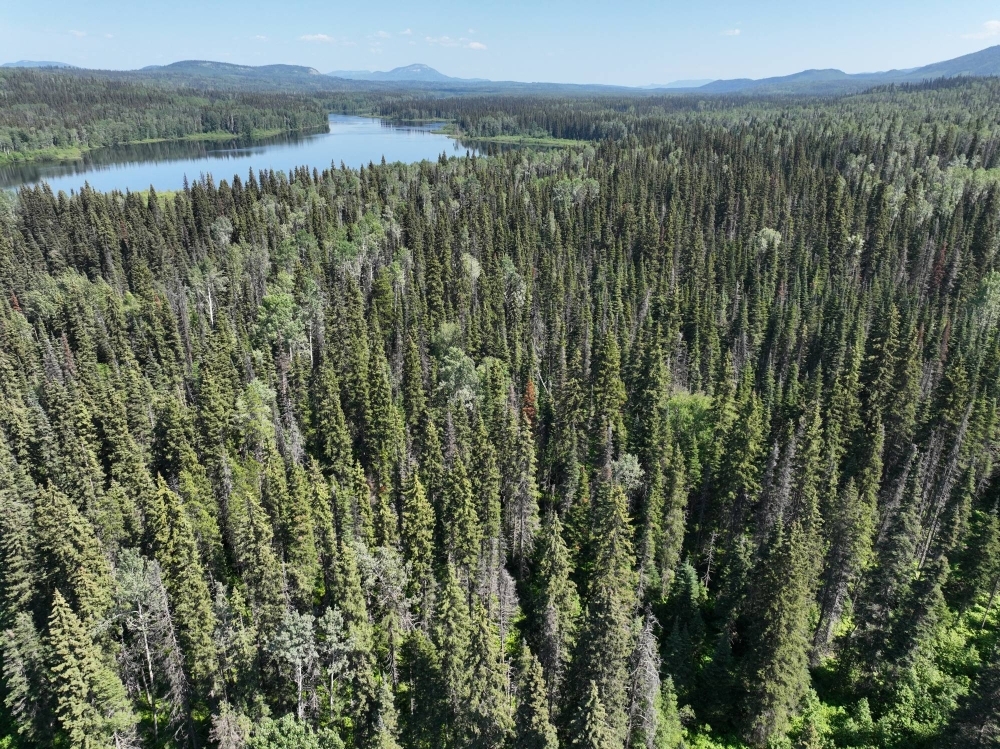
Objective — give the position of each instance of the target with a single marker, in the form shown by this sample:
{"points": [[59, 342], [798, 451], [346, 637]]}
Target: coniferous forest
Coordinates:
{"points": [[46, 114], [684, 436]]}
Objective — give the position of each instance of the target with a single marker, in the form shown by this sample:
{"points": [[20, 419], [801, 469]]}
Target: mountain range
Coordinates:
{"points": [[983, 63], [415, 72], [207, 73], [36, 64]]}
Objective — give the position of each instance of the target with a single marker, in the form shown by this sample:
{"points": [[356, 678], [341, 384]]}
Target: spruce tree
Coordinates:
{"points": [[533, 728], [418, 545], [774, 671], [555, 607], [463, 534], [73, 554], [606, 638], [589, 728], [91, 705]]}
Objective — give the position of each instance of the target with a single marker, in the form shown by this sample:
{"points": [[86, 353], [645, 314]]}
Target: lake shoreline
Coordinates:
{"points": [[69, 154], [354, 140]]}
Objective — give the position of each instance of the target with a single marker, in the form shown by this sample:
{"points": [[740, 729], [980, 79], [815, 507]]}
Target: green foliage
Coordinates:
{"points": [[63, 116], [288, 733], [686, 436]]}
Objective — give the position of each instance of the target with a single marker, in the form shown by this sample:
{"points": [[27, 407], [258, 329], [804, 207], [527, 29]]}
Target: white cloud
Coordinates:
{"points": [[472, 31], [408, 32], [78, 34], [383, 34], [109, 36], [990, 28], [731, 32], [443, 41], [448, 41], [316, 38], [260, 37]]}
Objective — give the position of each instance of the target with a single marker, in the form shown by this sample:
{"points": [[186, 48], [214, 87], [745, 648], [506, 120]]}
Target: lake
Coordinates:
{"points": [[355, 141]]}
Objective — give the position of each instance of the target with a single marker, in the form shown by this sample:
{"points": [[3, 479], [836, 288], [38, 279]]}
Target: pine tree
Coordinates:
{"points": [[605, 639], [463, 534], [450, 633], [184, 578], [24, 676], [555, 606], [73, 554], [418, 545], [775, 670], [489, 710], [589, 728], [91, 705], [533, 727], [332, 649], [294, 645]]}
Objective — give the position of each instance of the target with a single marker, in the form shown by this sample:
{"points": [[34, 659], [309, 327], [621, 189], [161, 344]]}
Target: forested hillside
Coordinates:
{"points": [[685, 437], [48, 114]]}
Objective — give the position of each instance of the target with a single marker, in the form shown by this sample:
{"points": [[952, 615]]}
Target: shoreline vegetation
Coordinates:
{"points": [[513, 140], [48, 117], [61, 154]]}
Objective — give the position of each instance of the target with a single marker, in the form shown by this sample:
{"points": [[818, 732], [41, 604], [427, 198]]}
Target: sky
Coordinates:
{"points": [[584, 41]]}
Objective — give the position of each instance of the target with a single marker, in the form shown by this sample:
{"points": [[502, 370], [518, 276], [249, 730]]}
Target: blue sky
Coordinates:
{"points": [[631, 43]]}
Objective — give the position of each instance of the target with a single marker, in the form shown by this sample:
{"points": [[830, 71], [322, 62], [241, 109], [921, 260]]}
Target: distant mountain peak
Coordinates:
{"points": [[685, 83], [985, 62], [36, 64], [182, 65], [418, 71]]}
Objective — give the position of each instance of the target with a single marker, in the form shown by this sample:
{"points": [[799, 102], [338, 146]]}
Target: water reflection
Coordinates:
{"points": [[355, 141]]}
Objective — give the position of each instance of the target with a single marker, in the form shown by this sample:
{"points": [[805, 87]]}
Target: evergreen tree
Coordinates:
{"points": [[589, 728], [72, 554], [606, 638], [533, 728], [490, 716], [24, 677], [450, 633], [91, 705], [775, 670], [556, 608], [184, 579], [418, 549], [460, 521]]}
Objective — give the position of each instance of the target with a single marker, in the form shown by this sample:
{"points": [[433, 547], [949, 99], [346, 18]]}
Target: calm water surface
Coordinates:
{"points": [[355, 141]]}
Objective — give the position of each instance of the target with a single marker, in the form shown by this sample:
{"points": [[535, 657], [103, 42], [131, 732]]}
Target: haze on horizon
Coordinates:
{"points": [[580, 42]]}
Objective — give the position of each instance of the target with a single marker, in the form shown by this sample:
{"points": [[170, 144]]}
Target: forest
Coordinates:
{"points": [[685, 436], [52, 115]]}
